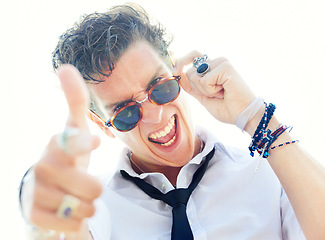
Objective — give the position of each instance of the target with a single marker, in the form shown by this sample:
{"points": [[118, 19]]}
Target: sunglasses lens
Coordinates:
{"points": [[165, 92], [127, 118]]}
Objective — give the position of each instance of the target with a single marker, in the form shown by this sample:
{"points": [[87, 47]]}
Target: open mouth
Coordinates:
{"points": [[165, 136]]}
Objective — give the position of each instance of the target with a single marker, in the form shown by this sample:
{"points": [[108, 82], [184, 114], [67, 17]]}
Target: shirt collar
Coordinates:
{"points": [[208, 139]]}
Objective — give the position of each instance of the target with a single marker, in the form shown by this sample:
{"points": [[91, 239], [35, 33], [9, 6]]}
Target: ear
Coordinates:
{"points": [[100, 123]]}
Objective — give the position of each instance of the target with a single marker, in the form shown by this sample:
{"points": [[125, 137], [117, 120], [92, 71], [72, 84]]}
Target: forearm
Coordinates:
{"points": [[302, 177]]}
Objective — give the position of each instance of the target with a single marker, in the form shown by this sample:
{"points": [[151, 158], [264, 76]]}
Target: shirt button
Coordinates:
{"points": [[163, 186]]}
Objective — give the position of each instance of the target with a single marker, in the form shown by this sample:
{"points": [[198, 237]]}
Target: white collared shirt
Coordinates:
{"points": [[230, 202]]}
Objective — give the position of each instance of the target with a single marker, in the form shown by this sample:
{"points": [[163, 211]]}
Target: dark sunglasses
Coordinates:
{"points": [[127, 117]]}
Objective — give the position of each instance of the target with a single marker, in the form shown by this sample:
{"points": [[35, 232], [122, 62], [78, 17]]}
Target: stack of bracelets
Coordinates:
{"points": [[263, 138]]}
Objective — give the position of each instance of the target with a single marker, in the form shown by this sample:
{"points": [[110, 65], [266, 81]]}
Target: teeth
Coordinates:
{"points": [[163, 133], [170, 142], [167, 130]]}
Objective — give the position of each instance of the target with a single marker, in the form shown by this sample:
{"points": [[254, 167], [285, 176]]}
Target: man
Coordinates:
{"points": [[135, 96]]}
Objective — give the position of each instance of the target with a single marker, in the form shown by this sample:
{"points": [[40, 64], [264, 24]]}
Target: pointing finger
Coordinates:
{"points": [[76, 94]]}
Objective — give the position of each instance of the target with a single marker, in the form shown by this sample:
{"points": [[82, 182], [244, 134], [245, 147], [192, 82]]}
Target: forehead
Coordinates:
{"points": [[136, 68]]}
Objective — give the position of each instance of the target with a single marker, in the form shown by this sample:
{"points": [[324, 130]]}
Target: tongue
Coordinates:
{"points": [[164, 139]]}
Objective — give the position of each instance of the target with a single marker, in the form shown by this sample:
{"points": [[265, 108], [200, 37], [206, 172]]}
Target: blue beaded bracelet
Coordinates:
{"points": [[284, 144], [268, 139], [261, 128]]}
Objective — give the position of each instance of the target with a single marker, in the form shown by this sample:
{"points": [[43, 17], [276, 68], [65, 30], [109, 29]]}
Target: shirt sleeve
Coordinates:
{"points": [[290, 227], [100, 224]]}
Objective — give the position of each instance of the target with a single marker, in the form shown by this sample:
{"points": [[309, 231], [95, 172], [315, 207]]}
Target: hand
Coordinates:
{"points": [[221, 90], [59, 173]]}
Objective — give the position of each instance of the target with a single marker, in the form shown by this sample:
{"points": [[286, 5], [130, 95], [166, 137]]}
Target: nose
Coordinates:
{"points": [[151, 113]]}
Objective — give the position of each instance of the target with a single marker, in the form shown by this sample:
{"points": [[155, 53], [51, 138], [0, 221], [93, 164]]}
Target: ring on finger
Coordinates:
{"points": [[64, 136], [68, 206], [202, 67]]}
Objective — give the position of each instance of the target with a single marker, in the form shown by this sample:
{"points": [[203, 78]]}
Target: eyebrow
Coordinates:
{"points": [[155, 77]]}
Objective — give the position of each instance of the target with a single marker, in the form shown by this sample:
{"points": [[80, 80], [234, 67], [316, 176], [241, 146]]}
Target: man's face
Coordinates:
{"points": [[164, 137]]}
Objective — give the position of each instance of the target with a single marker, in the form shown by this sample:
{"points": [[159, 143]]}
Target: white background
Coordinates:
{"points": [[277, 46]]}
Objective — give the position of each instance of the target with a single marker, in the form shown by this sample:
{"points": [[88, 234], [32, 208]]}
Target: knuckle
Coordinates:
{"points": [[97, 189], [90, 185], [43, 196], [38, 193], [53, 145], [220, 60], [90, 210], [42, 169], [195, 53], [53, 140], [224, 59]]}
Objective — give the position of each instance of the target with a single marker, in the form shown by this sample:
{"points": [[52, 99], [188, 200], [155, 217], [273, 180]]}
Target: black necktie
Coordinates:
{"points": [[176, 198]]}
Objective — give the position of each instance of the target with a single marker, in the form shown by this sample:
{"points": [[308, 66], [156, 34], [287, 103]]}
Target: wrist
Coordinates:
{"points": [[254, 122], [249, 112], [274, 124], [269, 132]]}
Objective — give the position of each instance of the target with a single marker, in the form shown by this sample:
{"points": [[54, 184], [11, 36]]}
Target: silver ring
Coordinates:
{"points": [[64, 136], [68, 206], [202, 67]]}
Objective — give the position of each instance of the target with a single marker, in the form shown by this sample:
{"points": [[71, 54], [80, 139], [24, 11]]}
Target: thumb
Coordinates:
{"points": [[76, 94]]}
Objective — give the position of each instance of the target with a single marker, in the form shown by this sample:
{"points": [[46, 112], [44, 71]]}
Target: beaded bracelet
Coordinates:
{"points": [[263, 138], [283, 144], [268, 139], [256, 136], [261, 128]]}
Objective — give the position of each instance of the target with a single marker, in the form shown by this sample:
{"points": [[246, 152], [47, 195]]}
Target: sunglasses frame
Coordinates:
{"points": [[110, 123]]}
